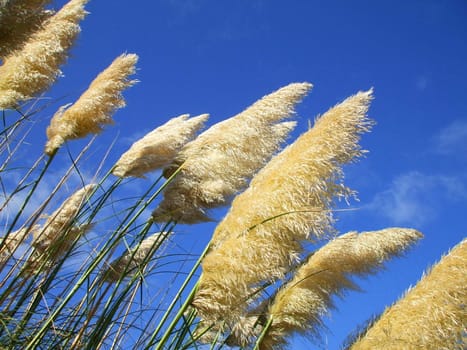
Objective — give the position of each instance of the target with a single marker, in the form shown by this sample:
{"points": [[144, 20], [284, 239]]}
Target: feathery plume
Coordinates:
{"points": [[13, 240], [246, 329], [133, 260], [302, 302], [430, 315], [58, 234], [287, 202], [220, 162], [207, 334], [19, 19], [158, 148], [35, 67], [95, 106]]}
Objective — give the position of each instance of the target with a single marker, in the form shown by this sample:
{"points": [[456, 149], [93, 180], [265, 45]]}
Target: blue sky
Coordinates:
{"points": [[218, 57]]}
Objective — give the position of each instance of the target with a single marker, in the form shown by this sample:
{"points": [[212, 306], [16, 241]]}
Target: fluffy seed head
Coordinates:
{"points": [[287, 202], [158, 148], [19, 19], [220, 162], [13, 240], [301, 303], [35, 67], [133, 260], [95, 106], [58, 233], [431, 315]]}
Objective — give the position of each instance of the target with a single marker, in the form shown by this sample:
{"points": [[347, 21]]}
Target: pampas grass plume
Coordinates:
{"points": [[35, 67], [135, 258], [18, 21], [287, 202], [13, 240], [59, 232], [158, 148], [220, 162], [95, 106], [431, 315], [301, 303]]}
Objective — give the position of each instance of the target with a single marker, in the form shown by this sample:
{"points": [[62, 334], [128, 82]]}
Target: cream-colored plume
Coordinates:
{"points": [[95, 106], [35, 67], [158, 148], [220, 162], [13, 240], [19, 19], [59, 231], [300, 305], [133, 260], [431, 315], [288, 201]]}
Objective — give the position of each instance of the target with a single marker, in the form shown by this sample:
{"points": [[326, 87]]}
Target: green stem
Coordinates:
{"points": [[187, 302], [263, 334]]}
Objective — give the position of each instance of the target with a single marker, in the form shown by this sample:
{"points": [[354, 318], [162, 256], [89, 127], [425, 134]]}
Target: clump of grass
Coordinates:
{"points": [[130, 281], [60, 231]]}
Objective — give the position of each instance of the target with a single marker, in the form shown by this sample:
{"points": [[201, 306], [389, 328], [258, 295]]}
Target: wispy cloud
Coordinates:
{"points": [[452, 139], [415, 198], [422, 82]]}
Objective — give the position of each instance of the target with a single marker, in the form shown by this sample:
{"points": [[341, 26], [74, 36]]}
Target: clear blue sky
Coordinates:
{"points": [[218, 56]]}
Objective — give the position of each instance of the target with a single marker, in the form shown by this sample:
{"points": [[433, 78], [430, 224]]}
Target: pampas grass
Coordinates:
{"points": [[60, 231], [287, 202], [219, 162], [431, 315], [133, 260], [19, 19], [95, 106], [158, 148], [93, 275], [300, 305], [31, 70]]}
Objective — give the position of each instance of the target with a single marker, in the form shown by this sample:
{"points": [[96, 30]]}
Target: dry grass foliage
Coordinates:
{"points": [[133, 260], [256, 288]]}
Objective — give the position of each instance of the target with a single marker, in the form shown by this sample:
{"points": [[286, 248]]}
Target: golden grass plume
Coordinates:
{"points": [[35, 67], [19, 19], [431, 315], [300, 305], [132, 261], [13, 240], [158, 148], [287, 202], [59, 232], [95, 106], [220, 162]]}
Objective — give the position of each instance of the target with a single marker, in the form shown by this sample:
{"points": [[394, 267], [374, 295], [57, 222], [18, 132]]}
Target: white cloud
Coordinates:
{"points": [[415, 198], [452, 139], [422, 82]]}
